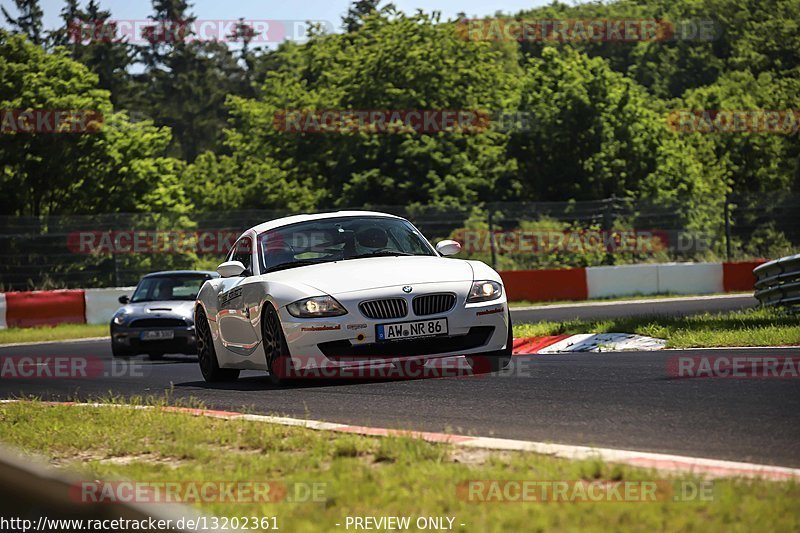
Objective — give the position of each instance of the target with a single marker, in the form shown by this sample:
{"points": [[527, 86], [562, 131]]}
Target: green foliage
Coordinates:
{"points": [[103, 170], [389, 64], [29, 20], [194, 129]]}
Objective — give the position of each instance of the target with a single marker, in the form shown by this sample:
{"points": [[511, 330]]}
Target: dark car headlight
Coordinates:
{"points": [[315, 307], [120, 318], [484, 291]]}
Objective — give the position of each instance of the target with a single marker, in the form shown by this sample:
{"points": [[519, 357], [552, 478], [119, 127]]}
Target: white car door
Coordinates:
{"points": [[233, 313]]}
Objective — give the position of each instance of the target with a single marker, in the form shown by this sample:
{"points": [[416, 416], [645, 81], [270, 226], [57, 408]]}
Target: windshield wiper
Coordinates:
{"points": [[379, 253], [293, 264]]}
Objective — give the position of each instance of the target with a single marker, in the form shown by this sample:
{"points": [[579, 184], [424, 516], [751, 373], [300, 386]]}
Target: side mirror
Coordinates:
{"points": [[124, 299], [231, 269], [448, 247]]}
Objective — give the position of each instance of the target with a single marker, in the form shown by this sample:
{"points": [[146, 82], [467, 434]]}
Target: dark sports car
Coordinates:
{"points": [[159, 317]]}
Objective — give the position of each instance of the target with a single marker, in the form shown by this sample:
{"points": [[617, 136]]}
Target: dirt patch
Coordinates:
{"points": [[476, 456], [100, 457]]}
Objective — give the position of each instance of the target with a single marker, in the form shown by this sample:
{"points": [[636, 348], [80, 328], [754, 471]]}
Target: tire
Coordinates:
{"points": [[495, 361], [207, 356], [276, 350], [120, 351]]}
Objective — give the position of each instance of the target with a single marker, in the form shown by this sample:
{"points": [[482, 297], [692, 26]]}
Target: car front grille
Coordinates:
{"points": [[158, 323], [433, 304], [386, 308]]}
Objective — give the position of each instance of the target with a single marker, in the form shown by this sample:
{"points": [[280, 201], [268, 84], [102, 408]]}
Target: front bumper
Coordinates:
{"points": [[472, 329], [130, 339]]}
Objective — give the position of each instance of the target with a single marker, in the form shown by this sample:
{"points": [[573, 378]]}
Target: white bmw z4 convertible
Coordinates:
{"points": [[347, 288]]}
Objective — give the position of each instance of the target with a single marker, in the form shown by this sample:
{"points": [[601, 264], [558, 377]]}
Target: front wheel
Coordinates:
{"points": [[207, 356], [275, 348], [119, 351]]}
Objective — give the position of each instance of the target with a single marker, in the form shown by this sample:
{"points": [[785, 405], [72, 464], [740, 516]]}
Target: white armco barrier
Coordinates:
{"points": [[690, 278], [101, 304], [674, 278], [624, 280], [3, 323]]}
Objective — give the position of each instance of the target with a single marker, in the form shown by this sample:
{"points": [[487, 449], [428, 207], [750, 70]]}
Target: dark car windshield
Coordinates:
{"points": [[339, 239], [177, 287]]}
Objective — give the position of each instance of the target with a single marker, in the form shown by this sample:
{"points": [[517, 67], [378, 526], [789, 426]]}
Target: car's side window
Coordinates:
{"points": [[242, 252]]}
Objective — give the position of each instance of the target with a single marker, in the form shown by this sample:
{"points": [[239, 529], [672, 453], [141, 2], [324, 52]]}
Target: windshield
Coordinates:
{"points": [[160, 288], [339, 239]]}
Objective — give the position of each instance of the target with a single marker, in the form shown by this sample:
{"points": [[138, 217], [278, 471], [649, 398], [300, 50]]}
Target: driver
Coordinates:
{"points": [[277, 251], [371, 239], [164, 291]]}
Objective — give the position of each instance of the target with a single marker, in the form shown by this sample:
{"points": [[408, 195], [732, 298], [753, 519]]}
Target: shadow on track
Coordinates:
{"points": [[253, 383]]}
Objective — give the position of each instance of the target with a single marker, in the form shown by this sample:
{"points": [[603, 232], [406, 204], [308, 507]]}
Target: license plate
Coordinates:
{"points": [[407, 330], [158, 335]]}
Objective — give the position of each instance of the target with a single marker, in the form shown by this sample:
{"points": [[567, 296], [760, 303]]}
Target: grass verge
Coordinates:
{"points": [[749, 327], [53, 333], [369, 476]]}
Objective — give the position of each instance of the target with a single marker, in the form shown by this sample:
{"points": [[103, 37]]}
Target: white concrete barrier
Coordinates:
{"points": [[601, 282], [690, 278], [3, 323], [102, 303], [623, 280]]}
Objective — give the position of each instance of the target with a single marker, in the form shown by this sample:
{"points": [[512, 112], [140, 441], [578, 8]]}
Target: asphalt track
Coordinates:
{"points": [[616, 400], [678, 306]]}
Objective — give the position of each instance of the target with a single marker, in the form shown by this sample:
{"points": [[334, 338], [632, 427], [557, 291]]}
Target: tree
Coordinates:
{"points": [[597, 134], [245, 33], [29, 20], [68, 34], [102, 167], [186, 81], [356, 13], [391, 63], [91, 38]]}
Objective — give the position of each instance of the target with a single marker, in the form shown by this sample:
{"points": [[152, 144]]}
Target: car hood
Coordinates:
{"points": [[181, 308], [375, 272]]}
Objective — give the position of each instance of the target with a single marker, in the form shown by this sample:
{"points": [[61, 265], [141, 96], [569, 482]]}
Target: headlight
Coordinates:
{"points": [[119, 319], [484, 291], [318, 306]]}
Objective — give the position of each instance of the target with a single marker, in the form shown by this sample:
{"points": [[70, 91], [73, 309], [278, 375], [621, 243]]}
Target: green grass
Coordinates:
{"points": [[396, 476], [750, 327], [53, 333], [631, 298]]}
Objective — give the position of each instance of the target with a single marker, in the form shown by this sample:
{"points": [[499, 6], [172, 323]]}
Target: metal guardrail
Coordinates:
{"points": [[29, 491], [778, 282]]}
